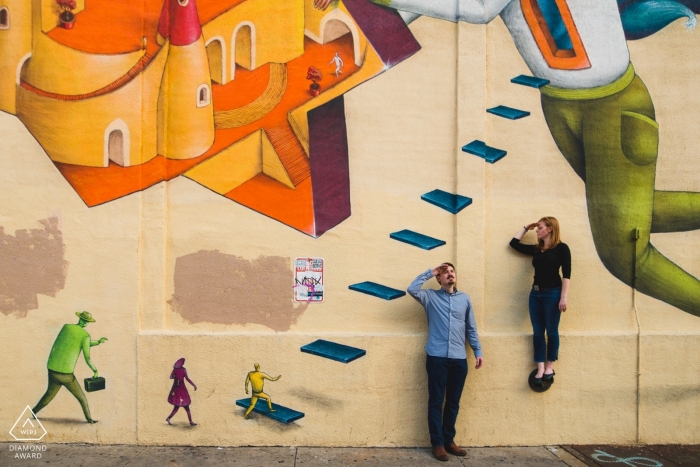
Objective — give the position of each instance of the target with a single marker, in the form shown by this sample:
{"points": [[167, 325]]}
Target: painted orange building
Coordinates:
{"points": [[121, 105]]}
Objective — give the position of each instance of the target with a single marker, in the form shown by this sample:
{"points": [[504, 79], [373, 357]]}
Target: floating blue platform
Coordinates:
{"points": [[416, 239], [338, 352], [530, 81], [281, 414], [508, 112], [447, 201], [479, 148], [378, 290]]}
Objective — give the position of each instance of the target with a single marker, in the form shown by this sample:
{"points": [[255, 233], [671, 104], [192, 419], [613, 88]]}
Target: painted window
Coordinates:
{"points": [[4, 18], [203, 95], [555, 33], [183, 2]]}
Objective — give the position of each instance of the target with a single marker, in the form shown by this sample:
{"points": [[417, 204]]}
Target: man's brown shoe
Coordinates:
{"points": [[440, 454], [455, 450]]}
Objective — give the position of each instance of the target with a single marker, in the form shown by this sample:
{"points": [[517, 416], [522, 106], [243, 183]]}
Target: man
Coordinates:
{"points": [[64, 355], [338, 64], [450, 324], [257, 381]]}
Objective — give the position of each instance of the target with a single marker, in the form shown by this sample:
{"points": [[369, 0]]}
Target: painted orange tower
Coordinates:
{"points": [[185, 110]]}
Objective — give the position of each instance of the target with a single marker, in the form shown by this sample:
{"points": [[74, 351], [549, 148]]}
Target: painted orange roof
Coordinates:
{"points": [[105, 28]]}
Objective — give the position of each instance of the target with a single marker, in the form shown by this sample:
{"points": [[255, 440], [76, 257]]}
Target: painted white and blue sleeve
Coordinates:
{"points": [[470, 11]]}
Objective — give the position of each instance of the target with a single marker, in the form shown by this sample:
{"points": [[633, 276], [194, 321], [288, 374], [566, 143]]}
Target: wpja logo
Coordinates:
{"points": [[28, 428]]}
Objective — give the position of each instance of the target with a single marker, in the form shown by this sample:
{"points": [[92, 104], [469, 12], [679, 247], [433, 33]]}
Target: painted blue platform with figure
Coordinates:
{"points": [[447, 201], [530, 81], [508, 112], [479, 148], [417, 239], [377, 290], [281, 414], [331, 350]]}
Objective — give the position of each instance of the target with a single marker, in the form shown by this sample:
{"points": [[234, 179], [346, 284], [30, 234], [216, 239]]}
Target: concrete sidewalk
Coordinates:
{"points": [[71, 455], [85, 455]]}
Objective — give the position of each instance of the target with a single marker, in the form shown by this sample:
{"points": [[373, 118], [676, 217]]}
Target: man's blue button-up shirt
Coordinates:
{"points": [[450, 320]]}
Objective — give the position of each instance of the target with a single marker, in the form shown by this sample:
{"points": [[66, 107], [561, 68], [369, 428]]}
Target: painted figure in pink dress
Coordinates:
{"points": [[179, 396]]}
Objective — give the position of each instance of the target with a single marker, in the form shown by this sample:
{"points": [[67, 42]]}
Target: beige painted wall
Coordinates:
{"points": [[405, 129]]}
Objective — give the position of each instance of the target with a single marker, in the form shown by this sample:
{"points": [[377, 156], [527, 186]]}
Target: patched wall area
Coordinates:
{"points": [[32, 263], [217, 288]]}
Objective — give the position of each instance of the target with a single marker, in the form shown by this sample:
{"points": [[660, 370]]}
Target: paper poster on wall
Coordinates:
{"points": [[308, 280]]}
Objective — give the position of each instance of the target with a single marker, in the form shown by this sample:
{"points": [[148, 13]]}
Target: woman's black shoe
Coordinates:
{"points": [[549, 378]]}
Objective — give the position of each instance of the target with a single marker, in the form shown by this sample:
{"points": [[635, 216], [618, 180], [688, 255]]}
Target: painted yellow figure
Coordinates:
{"points": [[257, 380]]}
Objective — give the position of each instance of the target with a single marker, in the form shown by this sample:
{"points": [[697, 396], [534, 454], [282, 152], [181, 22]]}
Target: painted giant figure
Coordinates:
{"points": [[602, 119]]}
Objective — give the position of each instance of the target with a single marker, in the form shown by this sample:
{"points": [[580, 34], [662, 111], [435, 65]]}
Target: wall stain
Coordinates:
{"points": [[214, 287], [31, 263]]}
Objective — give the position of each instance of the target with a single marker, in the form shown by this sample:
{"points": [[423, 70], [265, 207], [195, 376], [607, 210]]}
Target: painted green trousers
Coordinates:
{"points": [[610, 138], [56, 380]]}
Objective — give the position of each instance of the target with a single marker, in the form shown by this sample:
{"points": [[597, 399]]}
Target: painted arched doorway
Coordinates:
{"points": [[243, 47], [336, 25], [216, 55], [117, 144]]}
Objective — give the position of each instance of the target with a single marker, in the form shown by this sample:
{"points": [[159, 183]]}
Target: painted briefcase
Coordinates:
{"points": [[94, 384]]}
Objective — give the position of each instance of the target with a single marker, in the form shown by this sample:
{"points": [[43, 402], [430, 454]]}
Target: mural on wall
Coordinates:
{"points": [[257, 382], [265, 407], [602, 119], [31, 263], [215, 90], [214, 287], [179, 396], [64, 355]]}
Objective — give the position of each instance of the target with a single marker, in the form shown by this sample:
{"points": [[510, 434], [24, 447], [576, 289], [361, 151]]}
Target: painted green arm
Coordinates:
{"points": [[86, 344], [102, 340]]}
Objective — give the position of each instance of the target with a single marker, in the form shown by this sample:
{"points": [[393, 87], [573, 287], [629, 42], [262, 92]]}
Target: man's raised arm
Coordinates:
{"points": [[415, 291], [470, 11]]}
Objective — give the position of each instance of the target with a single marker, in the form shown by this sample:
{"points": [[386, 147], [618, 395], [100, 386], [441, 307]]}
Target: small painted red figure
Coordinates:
{"points": [[179, 396], [315, 75]]}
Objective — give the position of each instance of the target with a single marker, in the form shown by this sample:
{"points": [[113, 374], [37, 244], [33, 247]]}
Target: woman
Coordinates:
{"points": [[549, 291], [179, 397]]}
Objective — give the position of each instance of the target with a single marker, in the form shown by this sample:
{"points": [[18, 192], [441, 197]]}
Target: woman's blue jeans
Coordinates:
{"points": [[545, 315]]}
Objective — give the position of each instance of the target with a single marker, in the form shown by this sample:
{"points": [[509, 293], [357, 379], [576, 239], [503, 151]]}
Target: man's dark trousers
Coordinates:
{"points": [[446, 377]]}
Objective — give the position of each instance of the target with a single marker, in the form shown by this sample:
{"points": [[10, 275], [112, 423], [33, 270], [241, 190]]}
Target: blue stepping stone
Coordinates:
{"points": [[281, 413], [378, 290], [338, 352], [479, 148], [530, 81], [447, 201], [508, 112], [416, 239]]}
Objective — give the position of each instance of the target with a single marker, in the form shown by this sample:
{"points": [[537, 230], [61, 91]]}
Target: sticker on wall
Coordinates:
{"points": [[308, 280]]}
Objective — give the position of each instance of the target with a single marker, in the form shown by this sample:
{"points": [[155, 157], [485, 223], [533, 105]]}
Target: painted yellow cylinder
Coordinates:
{"points": [[188, 112]]}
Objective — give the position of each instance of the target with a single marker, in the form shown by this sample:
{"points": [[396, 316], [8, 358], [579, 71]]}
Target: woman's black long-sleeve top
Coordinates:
{"points": [[547, 263]]}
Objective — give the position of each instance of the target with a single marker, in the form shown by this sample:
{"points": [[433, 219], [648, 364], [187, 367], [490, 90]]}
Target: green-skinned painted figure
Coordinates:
{"points": [[65, 352]]}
